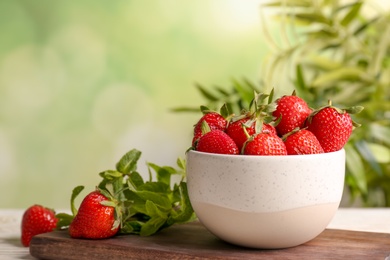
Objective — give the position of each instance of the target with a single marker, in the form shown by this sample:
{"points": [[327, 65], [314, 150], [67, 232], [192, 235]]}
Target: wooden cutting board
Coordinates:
{"points": [[193, 241]]}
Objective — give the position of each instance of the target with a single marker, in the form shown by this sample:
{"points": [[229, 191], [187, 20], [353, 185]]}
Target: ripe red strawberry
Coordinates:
{"points": [[94, 220], [37, 220], [236, 130], [217, 141], [302, 142], [332, 126], [265, 144], [215, 121], [293, 112]]}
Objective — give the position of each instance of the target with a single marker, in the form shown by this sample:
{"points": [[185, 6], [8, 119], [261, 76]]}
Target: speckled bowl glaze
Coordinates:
{"points": [[265, 201]]}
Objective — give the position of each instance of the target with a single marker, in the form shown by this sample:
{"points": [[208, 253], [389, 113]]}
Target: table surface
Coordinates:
{"points": [[356, 219]]}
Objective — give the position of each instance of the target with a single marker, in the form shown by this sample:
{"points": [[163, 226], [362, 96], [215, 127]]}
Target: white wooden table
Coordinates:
{"points": [[356, 219]]}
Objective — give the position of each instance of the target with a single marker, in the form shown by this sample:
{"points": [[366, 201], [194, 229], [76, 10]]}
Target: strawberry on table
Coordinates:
{"points": [[265, 144], [332, 126], [37, 220], [94, 220], [302, 142], [292, 111]]}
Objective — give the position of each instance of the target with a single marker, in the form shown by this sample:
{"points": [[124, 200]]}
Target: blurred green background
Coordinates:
{"points": [[83, 82]]}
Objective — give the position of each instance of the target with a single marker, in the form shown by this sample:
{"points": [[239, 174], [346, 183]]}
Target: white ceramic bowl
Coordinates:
{"points": [[265, 201]]}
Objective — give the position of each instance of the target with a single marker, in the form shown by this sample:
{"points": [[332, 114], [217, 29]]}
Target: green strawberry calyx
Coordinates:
{"points": [[259, 112], [205, 127], [112, 201], [294, 131], [223, 111], [350, 110]]}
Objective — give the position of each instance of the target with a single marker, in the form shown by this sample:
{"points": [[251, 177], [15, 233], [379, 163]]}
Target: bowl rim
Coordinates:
{"points": [[271, 157]]}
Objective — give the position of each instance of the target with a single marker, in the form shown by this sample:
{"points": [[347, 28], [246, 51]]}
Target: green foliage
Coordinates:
{"points": [[342, 52], [142, 207], [149, 206], [235, 99]]}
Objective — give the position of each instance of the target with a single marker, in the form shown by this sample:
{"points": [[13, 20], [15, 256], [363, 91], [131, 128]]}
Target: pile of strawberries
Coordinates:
{"points": [[286, 126]]}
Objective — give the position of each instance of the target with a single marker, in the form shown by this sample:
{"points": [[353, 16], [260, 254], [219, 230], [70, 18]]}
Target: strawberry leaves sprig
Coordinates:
{"points": [[147, 206], [141, 207]]}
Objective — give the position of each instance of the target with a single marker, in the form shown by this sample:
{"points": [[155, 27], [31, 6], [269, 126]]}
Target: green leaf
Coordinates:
{"points": [[354, 191], [155, 186], [152, 226], [135, 204], [301, 84], [380, 132], [159, 199], [352, 13], [131, 227], [205, 127], [323, 63], [135, 180], [305, 17], [185, 212], [352, 94], [380, 152], [184, 109], [111, 184], [356, 168], [164, 173], [110, 174], [341, 74], [64, 220], [365, 25], [244, 89], [206, 94], [258, 126], [381, 51], [225, 111], [181, 163], [271, 96], [365, 151], [292, 3], [128, 162], [324, 32], [105, 184], [205, 109], [153, 211], [108, 203], [76, 191], [222, 91]]}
